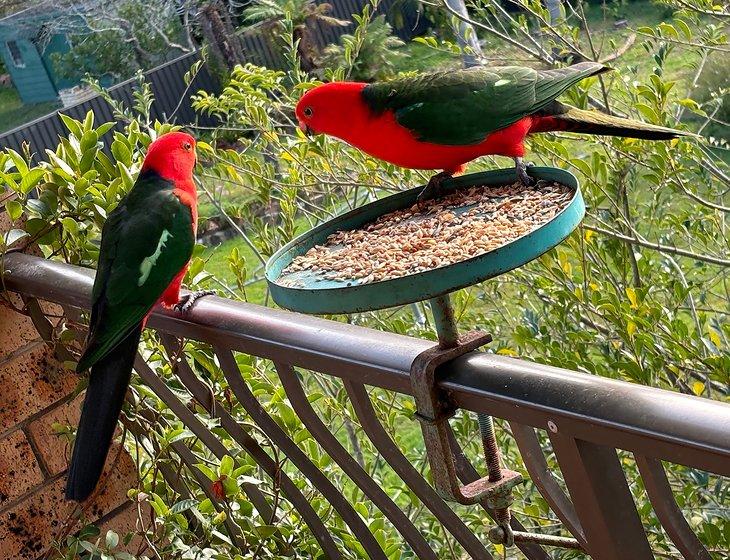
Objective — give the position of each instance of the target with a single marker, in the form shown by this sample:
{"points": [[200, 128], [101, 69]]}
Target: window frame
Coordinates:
{"points": [[16, 56]]}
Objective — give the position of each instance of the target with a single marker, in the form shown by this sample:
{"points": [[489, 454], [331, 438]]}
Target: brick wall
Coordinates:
{"points": [[36, 392]]}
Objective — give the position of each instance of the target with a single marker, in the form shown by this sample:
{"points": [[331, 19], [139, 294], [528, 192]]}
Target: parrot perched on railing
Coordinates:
{"points": [[445, 119], [146, 245]]}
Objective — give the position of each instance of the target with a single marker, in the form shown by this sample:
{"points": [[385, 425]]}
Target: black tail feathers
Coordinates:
{"points": [[108, 383]]}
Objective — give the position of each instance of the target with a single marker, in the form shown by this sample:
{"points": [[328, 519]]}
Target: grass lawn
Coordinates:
{"points": [[217, 264], [607, 39], [14, 113], [423, 58]]}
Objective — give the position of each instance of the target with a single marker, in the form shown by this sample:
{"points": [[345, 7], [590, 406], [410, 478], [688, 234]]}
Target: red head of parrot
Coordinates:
{"points": [[332, 108], [172, 156]]}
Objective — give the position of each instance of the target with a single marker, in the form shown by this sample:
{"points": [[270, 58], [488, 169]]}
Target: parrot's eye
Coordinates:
{"points": [[308, 112], [187, 146]]}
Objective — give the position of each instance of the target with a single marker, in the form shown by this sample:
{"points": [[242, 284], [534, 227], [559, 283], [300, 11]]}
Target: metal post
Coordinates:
{"points": [[602, 499], [443, 318]]}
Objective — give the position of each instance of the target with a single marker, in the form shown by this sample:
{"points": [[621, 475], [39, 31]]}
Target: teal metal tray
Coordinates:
{"points": [[309, 293]]}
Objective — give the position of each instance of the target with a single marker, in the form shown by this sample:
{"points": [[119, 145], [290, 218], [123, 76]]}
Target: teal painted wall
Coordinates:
{"points": [[58, 44], [31, 78]]}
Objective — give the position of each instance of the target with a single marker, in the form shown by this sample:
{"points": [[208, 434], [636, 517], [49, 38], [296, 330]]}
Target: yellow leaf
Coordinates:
{"points": [[631, 293], [631, 328], [715, 338], [506, 352], [589, 234], [698, 387], [593, 286]]}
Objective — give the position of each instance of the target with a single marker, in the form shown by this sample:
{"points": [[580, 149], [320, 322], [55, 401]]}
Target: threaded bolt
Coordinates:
{"points": [[489, 443]]}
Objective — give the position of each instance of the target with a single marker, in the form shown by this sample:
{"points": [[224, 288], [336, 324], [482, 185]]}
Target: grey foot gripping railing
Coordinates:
{"points": [[587, 419]]}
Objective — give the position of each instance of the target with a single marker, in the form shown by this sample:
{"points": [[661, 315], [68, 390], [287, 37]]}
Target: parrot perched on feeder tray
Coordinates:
{"points": [[146, 245], [445, 119]]}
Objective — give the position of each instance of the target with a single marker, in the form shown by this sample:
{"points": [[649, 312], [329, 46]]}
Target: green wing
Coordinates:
{"points": [[464, 106], [145, 243]]}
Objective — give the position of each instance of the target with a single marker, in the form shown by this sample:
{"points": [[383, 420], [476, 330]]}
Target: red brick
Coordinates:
{"points": [[19, 468], [127, 521], [16, 329], [30, 383], [55, 450], [28, 529], [119, 476]]}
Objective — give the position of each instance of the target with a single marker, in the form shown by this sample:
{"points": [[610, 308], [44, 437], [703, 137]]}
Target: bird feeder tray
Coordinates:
{"points": [[310, 291]]}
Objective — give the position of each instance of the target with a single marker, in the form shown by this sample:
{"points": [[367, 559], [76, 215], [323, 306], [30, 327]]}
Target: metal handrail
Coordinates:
{"points": [[587, 417], [685, 429]]}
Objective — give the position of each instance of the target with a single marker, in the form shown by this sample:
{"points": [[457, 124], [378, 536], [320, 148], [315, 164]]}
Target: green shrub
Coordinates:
{"points": [[370, 54]]}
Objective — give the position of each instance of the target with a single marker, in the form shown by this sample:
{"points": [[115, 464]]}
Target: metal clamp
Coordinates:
{"points": [[433, 410]]}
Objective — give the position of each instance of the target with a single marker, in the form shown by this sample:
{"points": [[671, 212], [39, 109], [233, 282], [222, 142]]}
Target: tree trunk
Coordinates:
{"points": [[466, 35], [306, 58], [307, 49], [224, 44]]}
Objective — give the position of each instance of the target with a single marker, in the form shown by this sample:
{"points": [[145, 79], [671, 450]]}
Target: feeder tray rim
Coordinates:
{"points": [[410, 288]]}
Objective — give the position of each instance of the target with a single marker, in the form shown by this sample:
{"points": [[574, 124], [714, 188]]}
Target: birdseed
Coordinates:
{"points": [[432, 234]]}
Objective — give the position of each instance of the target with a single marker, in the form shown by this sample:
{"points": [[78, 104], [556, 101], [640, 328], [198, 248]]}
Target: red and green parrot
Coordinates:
{"points": [[443, 120], [146, 245]]}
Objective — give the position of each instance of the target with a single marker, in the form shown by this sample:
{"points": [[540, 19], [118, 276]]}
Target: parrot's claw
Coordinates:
{"points": [[434, 187], [522, 176], [188, 300]]}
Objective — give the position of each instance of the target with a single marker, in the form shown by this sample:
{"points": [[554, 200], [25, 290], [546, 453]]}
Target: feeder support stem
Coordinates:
{"points": [[443, 317]]}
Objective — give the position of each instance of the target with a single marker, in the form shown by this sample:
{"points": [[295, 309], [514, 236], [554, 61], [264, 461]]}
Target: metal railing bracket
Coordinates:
{"points": [[433, 410]]}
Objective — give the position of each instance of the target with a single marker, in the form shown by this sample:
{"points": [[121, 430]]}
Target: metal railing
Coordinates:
{"points": [[587, 419]]}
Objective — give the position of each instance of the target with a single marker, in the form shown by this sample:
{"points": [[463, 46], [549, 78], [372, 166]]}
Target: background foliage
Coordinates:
{"points": [[639, 292]]}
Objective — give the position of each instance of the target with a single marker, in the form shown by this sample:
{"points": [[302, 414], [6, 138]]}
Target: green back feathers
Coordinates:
{"points": [[462, 107], [145, 243]]}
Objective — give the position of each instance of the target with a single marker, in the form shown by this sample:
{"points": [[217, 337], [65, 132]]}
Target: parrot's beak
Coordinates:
{"points": [[305, 129]]}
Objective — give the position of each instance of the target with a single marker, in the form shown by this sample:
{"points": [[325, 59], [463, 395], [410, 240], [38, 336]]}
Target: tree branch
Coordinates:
{"points": [[659, 247]]}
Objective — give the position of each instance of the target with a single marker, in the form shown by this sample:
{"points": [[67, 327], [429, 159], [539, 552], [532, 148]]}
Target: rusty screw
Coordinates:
{"points": [[489, 443], [502, 533]]}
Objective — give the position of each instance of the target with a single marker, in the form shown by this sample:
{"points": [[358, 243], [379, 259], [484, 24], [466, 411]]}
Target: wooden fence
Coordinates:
{"points": [[172, 95]]}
